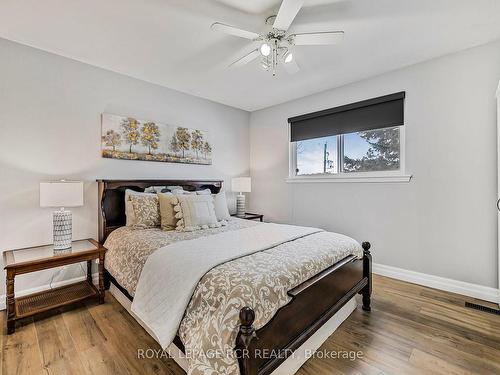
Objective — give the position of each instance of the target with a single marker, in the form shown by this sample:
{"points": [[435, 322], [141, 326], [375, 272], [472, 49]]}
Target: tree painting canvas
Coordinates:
{"points": [[132, 139]]}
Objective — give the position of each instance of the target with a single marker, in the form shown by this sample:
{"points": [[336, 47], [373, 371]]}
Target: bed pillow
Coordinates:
{"points": [[146, 210], [221, 209], [204, 192], [183, 192], [155, 189], [220, 203], [129, 210], [195, 212], [168, 220]]}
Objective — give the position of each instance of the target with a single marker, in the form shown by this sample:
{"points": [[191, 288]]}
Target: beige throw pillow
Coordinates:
{"points": [[146, 210], [195, 212], [167, 213]]}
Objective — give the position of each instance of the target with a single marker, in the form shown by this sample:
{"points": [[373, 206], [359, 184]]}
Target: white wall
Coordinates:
{"points": [[441, 223], [50, 110]]}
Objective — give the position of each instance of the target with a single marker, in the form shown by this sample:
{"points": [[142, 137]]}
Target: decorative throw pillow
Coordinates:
{"points": [[195, 212], [146, 210], [167, 213], [221, 209], [129, 210]]}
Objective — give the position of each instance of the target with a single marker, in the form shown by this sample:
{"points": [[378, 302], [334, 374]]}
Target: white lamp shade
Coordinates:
{"points": [[61, 194], [241, 184]]}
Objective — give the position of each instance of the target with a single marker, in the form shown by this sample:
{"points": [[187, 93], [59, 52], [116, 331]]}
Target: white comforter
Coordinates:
{"points": [[171, 273]]}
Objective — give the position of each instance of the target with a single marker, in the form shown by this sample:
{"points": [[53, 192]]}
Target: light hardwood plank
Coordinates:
{"points": [[21, 354], [432, 365], [59, 355], [117, 326], [83, 329]]}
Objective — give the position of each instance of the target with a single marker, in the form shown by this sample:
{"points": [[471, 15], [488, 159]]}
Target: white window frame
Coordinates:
{"points": [[378, 176]]}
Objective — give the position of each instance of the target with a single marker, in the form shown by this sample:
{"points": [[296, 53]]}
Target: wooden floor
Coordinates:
{"points": [[411, 330]]}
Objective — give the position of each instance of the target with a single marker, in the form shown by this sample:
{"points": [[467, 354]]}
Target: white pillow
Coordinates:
{"points": [[182, 191], [204, 192], [129, 209], [221, 209], [195, 212], [154, 189]]}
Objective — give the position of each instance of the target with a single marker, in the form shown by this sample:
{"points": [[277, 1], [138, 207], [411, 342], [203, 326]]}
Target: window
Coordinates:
{"points": [[372, 151], [363, 140], [317, 156], [376, 150]]}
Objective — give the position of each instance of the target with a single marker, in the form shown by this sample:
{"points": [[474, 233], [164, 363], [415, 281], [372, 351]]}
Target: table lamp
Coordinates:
{"points": [[241, 185], [61, 194]]}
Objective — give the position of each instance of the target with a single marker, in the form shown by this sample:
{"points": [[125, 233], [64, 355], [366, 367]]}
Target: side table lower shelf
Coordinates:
{"points": [[49, 299]]}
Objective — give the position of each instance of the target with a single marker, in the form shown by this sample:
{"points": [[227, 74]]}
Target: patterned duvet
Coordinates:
{"points": [[260, 280]]}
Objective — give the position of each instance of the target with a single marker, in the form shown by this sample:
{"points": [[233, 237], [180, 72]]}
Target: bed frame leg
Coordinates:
{"points": [[107, 280], [245, 336], [367, 272]]}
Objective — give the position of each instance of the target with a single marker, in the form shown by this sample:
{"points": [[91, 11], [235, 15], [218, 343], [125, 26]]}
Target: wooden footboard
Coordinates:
{"points": [[313, 303]]}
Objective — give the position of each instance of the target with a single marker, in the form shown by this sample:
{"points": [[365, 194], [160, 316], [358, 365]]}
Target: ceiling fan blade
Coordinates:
{"points": [[231, 30], [291, 67], [286, 14], [322, 38], [245, 59]]}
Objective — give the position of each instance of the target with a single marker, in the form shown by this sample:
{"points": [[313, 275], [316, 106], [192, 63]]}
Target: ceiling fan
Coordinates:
{"points": [[276, 45]]}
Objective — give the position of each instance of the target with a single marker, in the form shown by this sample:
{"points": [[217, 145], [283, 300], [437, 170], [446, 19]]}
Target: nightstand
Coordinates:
{"points": [[32, 259], [250, 216]]}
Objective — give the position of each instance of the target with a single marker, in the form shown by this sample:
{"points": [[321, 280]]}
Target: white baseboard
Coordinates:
{"points": [[20, 293], [460, 287]]}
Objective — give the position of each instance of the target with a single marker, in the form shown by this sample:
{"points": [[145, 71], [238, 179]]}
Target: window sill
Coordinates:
{"points": [[348, 179]]}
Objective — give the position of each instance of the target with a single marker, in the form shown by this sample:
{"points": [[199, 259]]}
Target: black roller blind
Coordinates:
{"points": [[376, 113]]}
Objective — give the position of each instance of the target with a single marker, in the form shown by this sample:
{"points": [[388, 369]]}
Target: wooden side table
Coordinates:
{"points": [[250, 216], [21, 261]]}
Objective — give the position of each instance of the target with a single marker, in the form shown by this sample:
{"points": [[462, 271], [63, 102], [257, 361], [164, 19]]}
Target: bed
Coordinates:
{"points": [[310, 303]]}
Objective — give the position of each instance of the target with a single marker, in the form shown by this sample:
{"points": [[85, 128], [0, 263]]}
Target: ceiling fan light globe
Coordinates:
{"points": [[265, 49], [288, 57]]}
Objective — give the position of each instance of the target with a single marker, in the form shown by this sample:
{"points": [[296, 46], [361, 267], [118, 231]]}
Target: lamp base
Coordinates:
{"points": [[62, 230], [240, 205]]}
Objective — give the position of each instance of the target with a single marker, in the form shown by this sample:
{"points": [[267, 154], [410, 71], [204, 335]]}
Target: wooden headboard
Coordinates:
{"points": [[112, 198]]}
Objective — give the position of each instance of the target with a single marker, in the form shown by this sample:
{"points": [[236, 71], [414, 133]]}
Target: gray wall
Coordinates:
{"points": [[50, 110], [441, 223]]}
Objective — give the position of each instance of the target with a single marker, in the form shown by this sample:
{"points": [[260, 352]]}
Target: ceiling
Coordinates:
{"points": [[169, 42]]}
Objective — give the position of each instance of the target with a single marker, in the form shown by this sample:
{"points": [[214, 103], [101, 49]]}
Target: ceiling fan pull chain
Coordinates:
{"points": [[275, 57]]}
